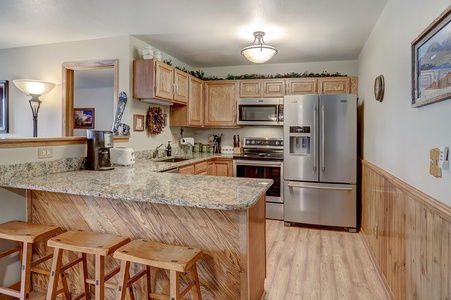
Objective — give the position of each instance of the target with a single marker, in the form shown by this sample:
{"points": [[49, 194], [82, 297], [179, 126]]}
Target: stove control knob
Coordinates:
{"points": [[277, 143], [253, 142], [281, 143], [248, 142]]}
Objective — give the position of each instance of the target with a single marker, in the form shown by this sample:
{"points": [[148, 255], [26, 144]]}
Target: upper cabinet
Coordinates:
{"points": [[220, 103], [267, 88], [155, 79], [302, 86], [190, 115], [334, 85]]}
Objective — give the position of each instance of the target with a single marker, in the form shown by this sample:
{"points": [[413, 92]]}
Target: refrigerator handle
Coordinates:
{"points": [[318, 187], [322, 158], [315, 139]]}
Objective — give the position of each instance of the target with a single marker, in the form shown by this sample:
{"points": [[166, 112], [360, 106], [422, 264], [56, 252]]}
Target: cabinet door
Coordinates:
{"points": [[186, 169], [164, 78], [250, 88], [195, 103], [220, 103], [302, 86], [223, 167], [334, 85], [201, 168], [181, 85], [143, 78], [273, 88]]}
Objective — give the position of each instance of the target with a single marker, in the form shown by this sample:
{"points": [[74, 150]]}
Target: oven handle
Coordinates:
{"points": [[257, 163]]}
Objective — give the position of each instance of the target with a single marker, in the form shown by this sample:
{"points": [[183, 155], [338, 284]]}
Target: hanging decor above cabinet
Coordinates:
{"points": [[155, 120]]}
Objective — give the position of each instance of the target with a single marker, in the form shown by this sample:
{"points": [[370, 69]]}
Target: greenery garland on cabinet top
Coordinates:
{"points": [[200, 74]]}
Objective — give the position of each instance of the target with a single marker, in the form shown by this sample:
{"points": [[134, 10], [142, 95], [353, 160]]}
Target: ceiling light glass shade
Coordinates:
{"points": [[33, 87], [259, 52]]}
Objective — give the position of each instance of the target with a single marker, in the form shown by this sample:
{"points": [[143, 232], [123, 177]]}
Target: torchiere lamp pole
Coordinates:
{"points": [[34, 89]]}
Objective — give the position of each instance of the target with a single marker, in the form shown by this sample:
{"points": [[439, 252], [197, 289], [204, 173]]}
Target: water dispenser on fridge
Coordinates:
{"points": [[299, 141]]}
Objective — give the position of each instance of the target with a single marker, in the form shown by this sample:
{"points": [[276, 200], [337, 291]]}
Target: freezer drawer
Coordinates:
{"points": [[274, 211], [320, 204]]}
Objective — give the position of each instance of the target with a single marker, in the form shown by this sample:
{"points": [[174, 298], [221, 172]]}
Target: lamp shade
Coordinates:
{"points": [[33, 87], [259, 53]]}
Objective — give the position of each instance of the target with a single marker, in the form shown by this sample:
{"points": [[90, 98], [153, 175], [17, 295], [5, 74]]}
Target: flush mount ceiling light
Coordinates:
{"points": [[259, 52]]}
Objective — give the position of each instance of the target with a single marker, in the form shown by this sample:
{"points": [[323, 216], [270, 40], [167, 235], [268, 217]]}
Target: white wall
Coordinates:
{"points": [[397, 138]]}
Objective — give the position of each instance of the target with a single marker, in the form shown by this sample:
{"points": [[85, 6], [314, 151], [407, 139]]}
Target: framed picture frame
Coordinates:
{"points": [[431, 63], [138, 122], [84, 118], [4, 109]]}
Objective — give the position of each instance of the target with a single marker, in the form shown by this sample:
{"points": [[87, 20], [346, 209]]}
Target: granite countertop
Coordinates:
{"points": [[144, 182]]}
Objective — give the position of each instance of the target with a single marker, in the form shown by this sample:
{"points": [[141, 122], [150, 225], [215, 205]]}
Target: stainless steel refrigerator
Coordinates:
{"points": [[320, 160]]}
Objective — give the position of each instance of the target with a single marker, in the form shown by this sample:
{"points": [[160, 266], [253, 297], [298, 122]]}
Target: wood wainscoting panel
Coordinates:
{"points": [[409, 234], [222, 235]]}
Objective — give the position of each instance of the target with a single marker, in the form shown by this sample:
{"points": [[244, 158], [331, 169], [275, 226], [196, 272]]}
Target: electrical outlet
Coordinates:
{"points": [[175, 138], [45, 152]]}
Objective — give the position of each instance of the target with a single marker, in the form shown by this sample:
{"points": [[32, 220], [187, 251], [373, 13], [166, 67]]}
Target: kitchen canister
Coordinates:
{"points": [[211, 148], [205, 147], [197, 147], [147, 52]]}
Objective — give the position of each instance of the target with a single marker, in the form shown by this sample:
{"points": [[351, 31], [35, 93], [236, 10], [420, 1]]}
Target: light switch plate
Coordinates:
{"points": [[45, 152]]}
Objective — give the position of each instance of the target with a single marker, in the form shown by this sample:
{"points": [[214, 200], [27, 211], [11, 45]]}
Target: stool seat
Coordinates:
{"points": [[88, 242], [176, 259], [159, 255], [27, 232], [99, 245]]}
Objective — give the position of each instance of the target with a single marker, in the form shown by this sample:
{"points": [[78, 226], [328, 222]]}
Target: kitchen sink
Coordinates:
{"points": [[173, 159]]}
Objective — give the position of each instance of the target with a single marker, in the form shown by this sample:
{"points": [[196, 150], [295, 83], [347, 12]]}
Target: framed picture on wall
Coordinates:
{"points": [[138, 122], [84, 118], [4, 106], [431, 62]]}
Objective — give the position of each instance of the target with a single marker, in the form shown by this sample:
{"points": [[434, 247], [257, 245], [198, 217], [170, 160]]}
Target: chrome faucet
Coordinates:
{"points": [[155, 153]]}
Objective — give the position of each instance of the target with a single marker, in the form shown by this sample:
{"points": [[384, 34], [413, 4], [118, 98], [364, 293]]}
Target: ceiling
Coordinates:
{"points": [[201, 33]]}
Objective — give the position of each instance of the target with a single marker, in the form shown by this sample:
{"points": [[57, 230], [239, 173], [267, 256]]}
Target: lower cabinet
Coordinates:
{"points": [[214, 167], [220, 167]]}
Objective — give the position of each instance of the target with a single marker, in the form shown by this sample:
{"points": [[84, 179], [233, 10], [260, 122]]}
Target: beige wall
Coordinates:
{"points": [[396, 137]]}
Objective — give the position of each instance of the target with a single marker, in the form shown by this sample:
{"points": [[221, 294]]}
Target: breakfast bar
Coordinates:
{"points": [[222, 216]]}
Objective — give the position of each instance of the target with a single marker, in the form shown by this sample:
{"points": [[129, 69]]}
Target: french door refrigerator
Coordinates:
{"points": [[320, 160]]}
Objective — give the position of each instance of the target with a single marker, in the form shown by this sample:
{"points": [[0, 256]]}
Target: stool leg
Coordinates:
{"points": [[148, 281], [100, 277], [123, 280], [174, 281], [84, 275], [54, 274], [196, 289], [25, 284], [66, 292]]}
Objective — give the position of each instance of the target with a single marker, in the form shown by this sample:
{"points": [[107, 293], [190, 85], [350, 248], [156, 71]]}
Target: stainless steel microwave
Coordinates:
{"points": [[260, 111]]}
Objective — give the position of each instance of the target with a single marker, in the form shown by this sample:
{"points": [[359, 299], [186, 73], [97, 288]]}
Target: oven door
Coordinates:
{"points": [[268, 170]]}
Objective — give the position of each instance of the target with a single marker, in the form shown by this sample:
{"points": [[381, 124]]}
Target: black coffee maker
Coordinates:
{"points": [[98, 154]]}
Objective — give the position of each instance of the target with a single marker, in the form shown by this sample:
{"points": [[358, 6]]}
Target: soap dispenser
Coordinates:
{"points": [[169, 149]]}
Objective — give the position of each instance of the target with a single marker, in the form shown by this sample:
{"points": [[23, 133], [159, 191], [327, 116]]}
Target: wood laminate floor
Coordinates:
{"points": [[310, 264]]}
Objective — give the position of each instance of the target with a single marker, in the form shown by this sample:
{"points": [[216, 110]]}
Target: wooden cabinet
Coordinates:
{"points": [[155, 79], [201, 168], [302, 86], [266, 88], [334, 85], [220, 167], [191, 115], [220, 103], [189, 169]]}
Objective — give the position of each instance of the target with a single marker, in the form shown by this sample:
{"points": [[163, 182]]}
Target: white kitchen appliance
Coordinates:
{"points": [[320, 155], [122, 156]]}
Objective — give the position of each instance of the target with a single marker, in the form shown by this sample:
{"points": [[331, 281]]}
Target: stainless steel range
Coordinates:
{"points": [[263, 158]]}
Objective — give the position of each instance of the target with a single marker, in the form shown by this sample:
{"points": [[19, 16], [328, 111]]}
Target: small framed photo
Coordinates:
{"points": [[84, 118], [431, 63], [138, 122]]}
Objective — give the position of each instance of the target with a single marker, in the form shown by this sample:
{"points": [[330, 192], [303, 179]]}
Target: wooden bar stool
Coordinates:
{"points": [[178, 260], [84, 242], [26, 234]]}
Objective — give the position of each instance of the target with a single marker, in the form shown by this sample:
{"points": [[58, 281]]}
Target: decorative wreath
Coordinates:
{"points": [[155, 120]]}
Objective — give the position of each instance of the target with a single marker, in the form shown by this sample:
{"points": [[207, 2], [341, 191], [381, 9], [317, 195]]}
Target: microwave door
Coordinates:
{"points": [[258, 114]]}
